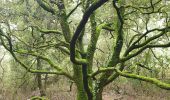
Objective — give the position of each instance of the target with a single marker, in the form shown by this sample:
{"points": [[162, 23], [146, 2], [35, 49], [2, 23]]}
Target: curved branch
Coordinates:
{"points": [[72, 11], [41, 57], [46, 7], [94, 38], [134, 76], [134, 46], [59, 70], [146, 79], [119, 26], [101, 70], [10, 49], [46, 31], [142, 49], [80, 27], [149, 31]]}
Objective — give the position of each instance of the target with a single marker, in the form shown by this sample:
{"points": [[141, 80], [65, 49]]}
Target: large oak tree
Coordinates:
{"points": [[54, 30]]}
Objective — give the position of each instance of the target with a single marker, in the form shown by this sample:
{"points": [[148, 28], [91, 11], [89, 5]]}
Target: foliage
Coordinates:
{"points": [[113, 38]]}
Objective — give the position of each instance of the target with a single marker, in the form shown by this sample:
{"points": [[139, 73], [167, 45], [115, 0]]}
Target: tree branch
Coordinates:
{"points": [[10, 49], [72, 11], [134, 46], [146, 79], [80, 27], [142, 49], [46, 31], [46, 6]]}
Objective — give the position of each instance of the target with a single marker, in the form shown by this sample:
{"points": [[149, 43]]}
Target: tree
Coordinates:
{"points": [[132, 25]]}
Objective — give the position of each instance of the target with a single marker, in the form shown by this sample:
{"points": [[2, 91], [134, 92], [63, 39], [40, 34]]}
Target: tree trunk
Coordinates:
{"points": [[81, 93], [98, 95], [39, 81]]}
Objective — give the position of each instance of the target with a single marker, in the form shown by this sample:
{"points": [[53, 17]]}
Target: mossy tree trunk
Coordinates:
{"points": [[109, 76], [98, 94], [78, 76]]}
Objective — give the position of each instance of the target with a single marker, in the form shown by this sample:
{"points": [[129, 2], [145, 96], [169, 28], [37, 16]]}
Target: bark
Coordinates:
{"points": [[98, 94], [39, 80], [117, 44], [63, 21], [86, 82], [81, 94]]}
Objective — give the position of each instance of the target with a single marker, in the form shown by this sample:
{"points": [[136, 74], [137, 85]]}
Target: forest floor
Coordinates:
{"points": [[122, 92], [107, 95], [116, 91], [111, 96]]}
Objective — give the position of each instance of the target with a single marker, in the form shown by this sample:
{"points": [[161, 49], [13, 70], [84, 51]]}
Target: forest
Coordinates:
{"points": [[84, 49]]}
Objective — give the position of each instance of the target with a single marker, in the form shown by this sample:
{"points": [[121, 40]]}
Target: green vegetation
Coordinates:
{"points": [[90, 43]]}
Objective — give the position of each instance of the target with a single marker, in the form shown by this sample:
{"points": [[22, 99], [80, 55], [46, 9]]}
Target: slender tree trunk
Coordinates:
{"points": [[45, 81], [98, 95], [39, 81]]}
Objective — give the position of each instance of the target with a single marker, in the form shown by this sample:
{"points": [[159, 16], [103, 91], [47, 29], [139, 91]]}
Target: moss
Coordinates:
{"points": [[146, 79], [63, 21], [38, 98], [81, 94]]}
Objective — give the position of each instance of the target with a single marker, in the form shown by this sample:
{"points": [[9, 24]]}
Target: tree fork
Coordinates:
{"points": [[80, 27]]}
